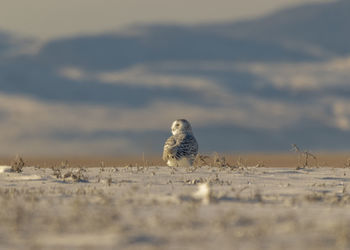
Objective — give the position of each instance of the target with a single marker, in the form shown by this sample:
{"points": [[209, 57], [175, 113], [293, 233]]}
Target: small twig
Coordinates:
{"points": [[306, 153]]}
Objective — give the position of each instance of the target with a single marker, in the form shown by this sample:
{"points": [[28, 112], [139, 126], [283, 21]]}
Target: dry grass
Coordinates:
{"points": [[290, 159]]}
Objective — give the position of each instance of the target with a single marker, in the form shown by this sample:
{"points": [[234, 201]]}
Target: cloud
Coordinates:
{"points": [[26, 18], [231, 108], [143, 76], [340, 112], [23, 115], [31, 125], [309, 76]]}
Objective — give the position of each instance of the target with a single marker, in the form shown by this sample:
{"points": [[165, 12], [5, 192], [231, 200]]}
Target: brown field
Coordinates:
{"points": [[324, 159]]}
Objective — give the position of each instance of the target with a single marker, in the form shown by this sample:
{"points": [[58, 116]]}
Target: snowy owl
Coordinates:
{"points": [[181, 148]]}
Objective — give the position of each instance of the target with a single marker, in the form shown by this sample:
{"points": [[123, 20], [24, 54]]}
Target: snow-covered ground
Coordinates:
{"points": [[175, 208]]}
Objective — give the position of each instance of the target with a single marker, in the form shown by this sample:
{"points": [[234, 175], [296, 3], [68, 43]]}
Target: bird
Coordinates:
{"points": [[181, 148]]}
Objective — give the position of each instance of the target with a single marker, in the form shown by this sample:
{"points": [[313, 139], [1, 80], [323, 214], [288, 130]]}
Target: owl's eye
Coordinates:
{"points": [[176, 125]]}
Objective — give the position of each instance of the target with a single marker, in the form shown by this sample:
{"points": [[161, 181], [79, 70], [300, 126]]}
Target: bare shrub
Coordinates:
{"points": [[219, 161], [17, 164], [201, 160], [65, 164], [303, 154], [144, 161], [240, 163], [57, 172], [102, 166], [76, 175], [109, 180], [347, 164]]}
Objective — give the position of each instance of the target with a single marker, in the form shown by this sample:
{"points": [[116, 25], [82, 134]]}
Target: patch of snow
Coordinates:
{"points": [[203, 193], [5, 169]]}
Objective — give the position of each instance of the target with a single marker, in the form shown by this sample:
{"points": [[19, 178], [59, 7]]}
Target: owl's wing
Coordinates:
{"points": [[169, 145], [187, 146]]}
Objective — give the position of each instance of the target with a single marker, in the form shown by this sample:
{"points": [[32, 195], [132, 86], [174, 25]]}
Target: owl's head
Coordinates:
{"points": [[181, 126]]}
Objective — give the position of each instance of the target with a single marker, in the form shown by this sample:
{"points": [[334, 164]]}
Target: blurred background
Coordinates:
{"points": [[89, 77]]}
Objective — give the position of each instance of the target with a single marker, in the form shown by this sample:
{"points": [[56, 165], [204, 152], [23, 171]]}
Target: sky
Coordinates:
{"points": [[250, 86], [51, 19]]}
